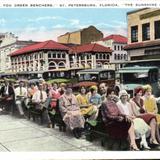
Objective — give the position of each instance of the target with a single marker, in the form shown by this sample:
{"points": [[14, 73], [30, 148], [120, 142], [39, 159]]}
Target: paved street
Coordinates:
{"points": [[24, 135]]}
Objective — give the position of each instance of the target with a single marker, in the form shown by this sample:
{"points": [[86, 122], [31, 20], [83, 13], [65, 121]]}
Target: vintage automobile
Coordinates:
{"points": [[134, 76], [90, 77]]}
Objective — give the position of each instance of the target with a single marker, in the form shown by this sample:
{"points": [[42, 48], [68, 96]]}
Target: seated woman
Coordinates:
{"points": [[141, 128], [94, 98], [138, 109], [70, 112], [54, 95], [86, 108], [117, 124], [150, 102]]}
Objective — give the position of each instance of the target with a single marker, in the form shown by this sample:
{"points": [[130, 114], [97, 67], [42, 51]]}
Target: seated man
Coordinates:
{"points": [[21, 98], [7, 97], [39, 99]]}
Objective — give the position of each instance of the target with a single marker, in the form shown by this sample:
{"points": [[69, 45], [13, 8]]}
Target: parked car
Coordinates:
{"points": [[134, 76]]}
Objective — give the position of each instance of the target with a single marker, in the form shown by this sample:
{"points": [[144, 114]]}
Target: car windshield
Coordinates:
{"points": [[107, 75], [141, 78], [88, 77]]}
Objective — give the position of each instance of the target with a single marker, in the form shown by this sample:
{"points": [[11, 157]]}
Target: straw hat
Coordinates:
{"points": [[94, 87]]}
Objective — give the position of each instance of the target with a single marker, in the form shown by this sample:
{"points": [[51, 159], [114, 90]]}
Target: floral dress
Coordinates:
{"points": [[70, 112]]}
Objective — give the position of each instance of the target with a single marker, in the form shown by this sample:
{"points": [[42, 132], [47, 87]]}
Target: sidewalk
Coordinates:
{"points": [[24, 135]]}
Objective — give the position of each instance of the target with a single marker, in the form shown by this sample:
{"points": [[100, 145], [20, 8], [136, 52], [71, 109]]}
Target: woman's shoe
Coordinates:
{"points": [[133, 148], [144, 145], [154, 142]]}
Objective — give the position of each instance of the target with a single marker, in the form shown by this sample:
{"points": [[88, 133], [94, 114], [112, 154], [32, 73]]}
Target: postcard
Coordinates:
{"points": [[79, 79]]}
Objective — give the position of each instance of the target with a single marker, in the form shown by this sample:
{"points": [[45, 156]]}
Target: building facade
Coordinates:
{"points": [[90, 56], [8, 44], [83, 36], [117, 44], [50, 59], [41, 59], [143, 34]]}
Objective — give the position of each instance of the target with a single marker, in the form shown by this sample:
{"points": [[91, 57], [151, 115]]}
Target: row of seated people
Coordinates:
{"points": [[121, 116]]}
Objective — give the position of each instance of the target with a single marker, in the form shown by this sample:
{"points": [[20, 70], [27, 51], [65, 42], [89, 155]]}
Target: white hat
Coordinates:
{"points": [[123, 93]]}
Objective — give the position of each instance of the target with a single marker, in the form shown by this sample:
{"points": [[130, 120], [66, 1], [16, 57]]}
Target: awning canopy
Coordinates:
{"points": [[136, 69]]}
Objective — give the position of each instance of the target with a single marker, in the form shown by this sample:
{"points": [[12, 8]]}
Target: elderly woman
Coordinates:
{"points": [[117, 125], [70, 112], [150, 102], [138, 109], [86, 108], [141, 128]]}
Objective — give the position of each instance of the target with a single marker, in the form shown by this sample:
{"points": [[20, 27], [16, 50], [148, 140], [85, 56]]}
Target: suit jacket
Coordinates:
{"points": [[10, 91]]}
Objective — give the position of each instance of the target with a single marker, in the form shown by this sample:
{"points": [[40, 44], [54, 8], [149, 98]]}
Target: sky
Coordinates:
{"points": [[47, 24]]}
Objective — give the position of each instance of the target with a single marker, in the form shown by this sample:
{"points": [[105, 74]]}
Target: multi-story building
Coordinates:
{"points": [[144, 34], [50, 59], [8, 44], [117, 44], [90, 56], [43, 59], [83, 36]]}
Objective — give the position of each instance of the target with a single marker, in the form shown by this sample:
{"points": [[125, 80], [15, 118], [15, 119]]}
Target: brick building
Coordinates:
{"points": [[83, 36]]}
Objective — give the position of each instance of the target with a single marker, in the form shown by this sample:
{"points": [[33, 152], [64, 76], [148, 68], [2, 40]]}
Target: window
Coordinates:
{"points": [[54, 55], [96, 56], [121, 56], [82, 57], [157, 29], [104, 56], [115, 56], [145, 31], [125, 57], [40, 55], [58, 55], [63, 55], [49, 55], [118, 57], [134, 34], [115, 47], [100, 56]]}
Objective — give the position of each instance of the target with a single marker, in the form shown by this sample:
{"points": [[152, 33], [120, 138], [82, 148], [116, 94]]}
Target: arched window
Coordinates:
{"points": [[61, 65], [52, 65]]}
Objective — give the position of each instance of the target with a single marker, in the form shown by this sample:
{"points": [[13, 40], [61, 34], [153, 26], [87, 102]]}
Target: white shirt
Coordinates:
{"points": [[23, 90], [6, 89], [37, 96]]}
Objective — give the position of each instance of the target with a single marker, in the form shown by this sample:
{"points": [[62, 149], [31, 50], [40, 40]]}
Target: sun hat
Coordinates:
{"points": [[123, 93]]}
